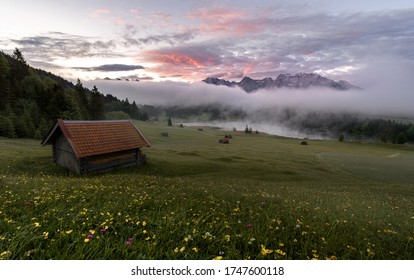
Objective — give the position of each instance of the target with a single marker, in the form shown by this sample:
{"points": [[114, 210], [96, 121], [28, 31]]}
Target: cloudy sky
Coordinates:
{"points": [[189, 40]]}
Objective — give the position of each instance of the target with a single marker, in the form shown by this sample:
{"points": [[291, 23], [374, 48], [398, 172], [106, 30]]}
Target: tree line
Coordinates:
{"points": [[356, 128], [31, 100]]}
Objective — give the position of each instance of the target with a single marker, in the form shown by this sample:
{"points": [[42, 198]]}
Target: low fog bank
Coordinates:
{"points": [[297, 113], [388, 92], [270, 128]]}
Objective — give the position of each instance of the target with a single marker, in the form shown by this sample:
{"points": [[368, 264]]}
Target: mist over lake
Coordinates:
{"points": [[269, 128]]}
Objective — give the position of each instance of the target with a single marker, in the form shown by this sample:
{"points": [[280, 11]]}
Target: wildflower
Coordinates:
{"points": [[195, 249], [36, 224], [249, 225], [68, 232], [144, 223], [370, 253], [102, 230], [128, 243], [145, 231], [263, 203], [265, 251], [86, 240], [217, 258], [280, 252], [45, 235], [91, 231], [227, 238], [27, 203], [5, 255], [89, 236], [182, 249]]}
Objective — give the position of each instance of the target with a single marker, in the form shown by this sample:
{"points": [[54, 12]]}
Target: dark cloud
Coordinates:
{"points": [[111, 68], [61, 45], [131, 31]]}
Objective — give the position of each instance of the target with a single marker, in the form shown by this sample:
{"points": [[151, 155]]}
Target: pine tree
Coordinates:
{"points": [[4, 82], [96, 107], [82, 99], [17, 54]]}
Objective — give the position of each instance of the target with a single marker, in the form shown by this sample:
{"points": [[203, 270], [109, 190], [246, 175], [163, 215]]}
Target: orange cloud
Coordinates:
{"points": [[174, 58]]}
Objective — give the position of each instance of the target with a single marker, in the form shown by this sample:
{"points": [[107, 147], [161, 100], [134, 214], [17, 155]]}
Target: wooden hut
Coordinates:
{"points": [[95, 146]]}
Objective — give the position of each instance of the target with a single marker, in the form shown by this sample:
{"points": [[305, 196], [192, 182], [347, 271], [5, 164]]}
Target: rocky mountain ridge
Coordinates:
{"points": [[301, 80]]}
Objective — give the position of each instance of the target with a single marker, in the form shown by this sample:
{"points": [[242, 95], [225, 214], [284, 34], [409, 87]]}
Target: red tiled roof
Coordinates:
{"points": [[89, 138]]}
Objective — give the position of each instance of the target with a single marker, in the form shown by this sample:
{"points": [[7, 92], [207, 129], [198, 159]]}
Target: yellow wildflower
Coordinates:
{"points": [[227, 238], [144, 223], [280, 252], [91, 231], [36, 224], [195, 249], [265, 251], [86, 240], [217, 258]]}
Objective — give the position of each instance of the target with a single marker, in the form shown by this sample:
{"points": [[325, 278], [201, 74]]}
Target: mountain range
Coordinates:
{"points": [[301, 80]]}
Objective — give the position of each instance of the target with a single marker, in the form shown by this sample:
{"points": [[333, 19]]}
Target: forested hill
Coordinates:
{"points": [[31, 100]]}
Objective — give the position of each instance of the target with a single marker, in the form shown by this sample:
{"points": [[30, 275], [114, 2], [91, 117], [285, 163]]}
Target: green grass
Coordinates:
{"points": [[198, 199]]}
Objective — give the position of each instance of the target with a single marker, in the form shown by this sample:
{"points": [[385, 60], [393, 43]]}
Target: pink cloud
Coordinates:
{"points": [[99, 12], [184, 63], [248, 69], [174, 58], [161, 15], [227, 21]]}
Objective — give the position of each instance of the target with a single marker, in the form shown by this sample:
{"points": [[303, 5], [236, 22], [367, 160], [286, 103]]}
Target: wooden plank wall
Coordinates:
{"points": [[64, 155], [110, 161]]}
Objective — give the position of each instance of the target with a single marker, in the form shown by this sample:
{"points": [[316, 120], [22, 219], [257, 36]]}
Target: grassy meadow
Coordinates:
{"points": [[259, 197]]}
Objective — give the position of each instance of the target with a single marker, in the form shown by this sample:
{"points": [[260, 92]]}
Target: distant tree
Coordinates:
{"points": [[17, 54], [341, 137], [96, 107], [401, 138], [169, 122], [246, 130], [82, 99], [19, 70], [4, 82], [410, 133], [117, 115], [6, 127]]}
